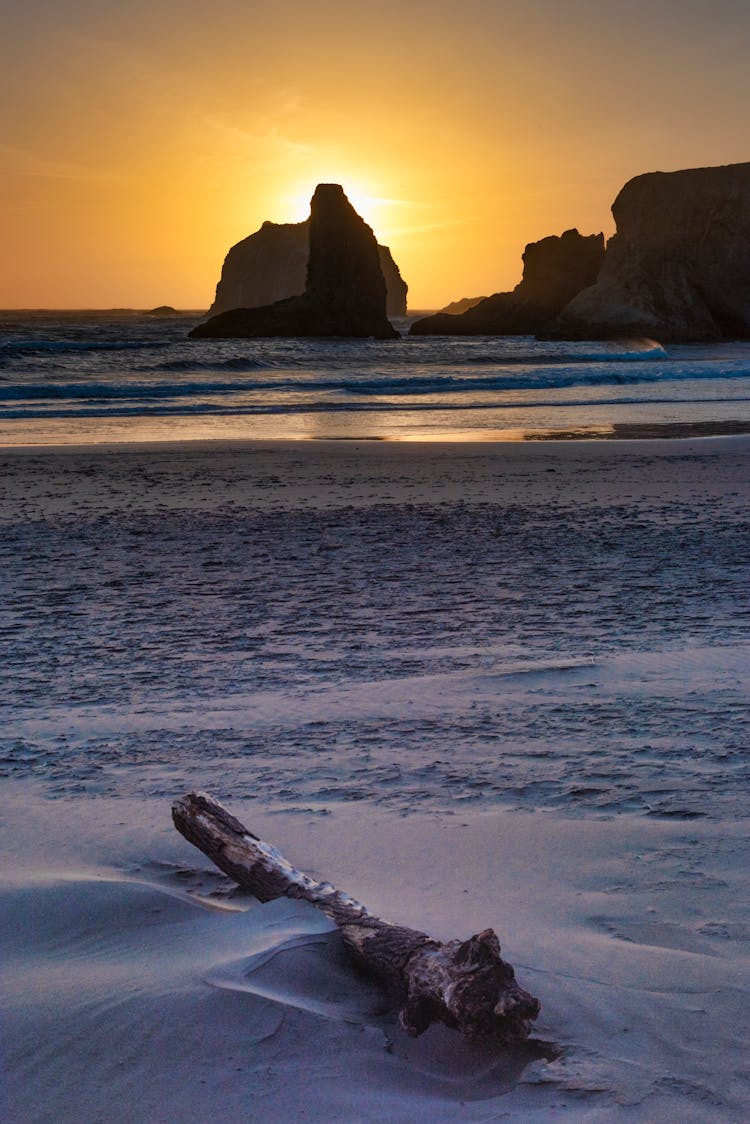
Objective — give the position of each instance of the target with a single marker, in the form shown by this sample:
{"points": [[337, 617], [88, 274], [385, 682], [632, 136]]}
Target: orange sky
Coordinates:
{"points": [[140, 140]]}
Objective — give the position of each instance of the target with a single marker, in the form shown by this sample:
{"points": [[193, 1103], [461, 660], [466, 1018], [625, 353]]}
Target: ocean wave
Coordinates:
{"points": [[11, 347], [187, 408], [238, 363], [115, 391], [352, 358], [531, 379], [649, 351], [353, 386], [69, 367]]}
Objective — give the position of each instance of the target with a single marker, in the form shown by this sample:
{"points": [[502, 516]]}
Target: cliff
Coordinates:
{"points": [[271, 264], [344, 291], [554, 270], [678, 268]]}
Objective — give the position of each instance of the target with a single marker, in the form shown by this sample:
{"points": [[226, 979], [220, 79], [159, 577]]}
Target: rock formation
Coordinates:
{"points": [[263, 268], [678, 267], [554, 270], [344, 291], [463, 304], [271, 264], [395, 286]]}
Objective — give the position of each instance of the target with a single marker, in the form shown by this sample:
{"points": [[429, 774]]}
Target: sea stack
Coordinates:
{"points": [[554, 270], [271, 265], [678, 268], [344, 294]]}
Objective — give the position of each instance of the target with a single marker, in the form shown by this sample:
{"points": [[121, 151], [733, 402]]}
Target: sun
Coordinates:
{"points": [[371, 207]]}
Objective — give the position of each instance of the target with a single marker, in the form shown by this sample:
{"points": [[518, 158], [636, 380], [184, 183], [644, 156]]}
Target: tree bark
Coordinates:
{"points": [[464, 984]]}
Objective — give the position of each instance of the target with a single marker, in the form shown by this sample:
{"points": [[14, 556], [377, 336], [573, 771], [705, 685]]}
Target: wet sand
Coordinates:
{"points": [[647, 431], [496, 685]]}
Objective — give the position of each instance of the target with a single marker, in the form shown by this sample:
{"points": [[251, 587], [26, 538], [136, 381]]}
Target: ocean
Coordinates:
{"points": [[93, 377]]}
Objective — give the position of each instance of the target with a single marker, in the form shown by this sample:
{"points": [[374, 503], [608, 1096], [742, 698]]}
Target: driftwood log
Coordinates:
{"points": [[464, 984]]}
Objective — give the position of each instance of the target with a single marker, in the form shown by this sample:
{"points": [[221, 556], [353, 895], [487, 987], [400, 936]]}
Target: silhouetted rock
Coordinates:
{"points": [[344, 292], [265, 267], [395, 286], [678, 267], [554, 270], [455, 308], [162, 310], [271, 265]]}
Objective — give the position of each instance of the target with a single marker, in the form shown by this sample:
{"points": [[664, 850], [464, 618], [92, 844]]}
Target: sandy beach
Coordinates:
{"points": [[491, 684]]}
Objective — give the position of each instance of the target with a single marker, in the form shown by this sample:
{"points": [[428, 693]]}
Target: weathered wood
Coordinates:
{"points": [[464, 984]]}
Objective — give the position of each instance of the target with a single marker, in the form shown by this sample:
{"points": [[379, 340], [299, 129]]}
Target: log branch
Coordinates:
{"points": [[464, 984]]}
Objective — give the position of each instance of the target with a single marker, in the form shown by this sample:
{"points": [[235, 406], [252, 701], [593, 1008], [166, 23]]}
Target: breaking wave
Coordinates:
{"points": [[80, 365]]}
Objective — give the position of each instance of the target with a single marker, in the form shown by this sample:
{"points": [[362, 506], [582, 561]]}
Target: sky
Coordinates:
{"points": [[140, 140]]}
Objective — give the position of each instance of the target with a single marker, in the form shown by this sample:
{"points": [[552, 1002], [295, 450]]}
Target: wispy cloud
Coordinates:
{"points": [[25, 162], [229, 149], [428, 227]]}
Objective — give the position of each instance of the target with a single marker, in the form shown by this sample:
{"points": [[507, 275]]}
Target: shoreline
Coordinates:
{"points": [[617, 433], [232, 477]]}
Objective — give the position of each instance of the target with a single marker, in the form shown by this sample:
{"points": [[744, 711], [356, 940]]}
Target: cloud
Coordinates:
{"points": [[25, 162], [427, 227]]}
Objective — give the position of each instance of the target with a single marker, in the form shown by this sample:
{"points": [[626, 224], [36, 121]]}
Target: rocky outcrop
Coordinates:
{"points": [[344, 291], [554, 270], [265, 267], [271, 264], [463, 304], [395, 286], [678, 268]]}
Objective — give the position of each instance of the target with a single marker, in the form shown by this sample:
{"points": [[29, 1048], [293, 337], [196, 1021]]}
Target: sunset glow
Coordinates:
{"points": [[140, 142], [374, 209]]}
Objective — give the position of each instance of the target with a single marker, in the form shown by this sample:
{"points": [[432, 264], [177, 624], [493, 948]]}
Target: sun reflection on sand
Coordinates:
{"points": [[390, 429]]}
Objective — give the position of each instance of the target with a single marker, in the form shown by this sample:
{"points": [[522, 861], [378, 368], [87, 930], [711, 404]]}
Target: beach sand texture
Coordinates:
{"points": [[474, 685]]}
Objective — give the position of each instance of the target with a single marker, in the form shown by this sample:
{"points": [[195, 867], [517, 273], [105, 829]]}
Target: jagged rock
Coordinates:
{"points": [[554, 270], [271, 265], [395, 286], [678, 268], [455, 308], [344, 292]]}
